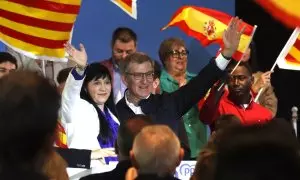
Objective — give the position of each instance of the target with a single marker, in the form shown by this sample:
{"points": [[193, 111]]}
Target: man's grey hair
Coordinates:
{"points": [[137, 57], [156, 149]]}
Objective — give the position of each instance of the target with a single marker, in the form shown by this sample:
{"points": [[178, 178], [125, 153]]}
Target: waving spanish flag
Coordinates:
{"points": [[38, 28], [289, 57], [286, 11], [129, 6], [207, 26]]}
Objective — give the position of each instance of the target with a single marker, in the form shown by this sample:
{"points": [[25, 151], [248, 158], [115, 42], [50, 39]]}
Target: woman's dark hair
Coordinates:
{"points": [[93, 72]]}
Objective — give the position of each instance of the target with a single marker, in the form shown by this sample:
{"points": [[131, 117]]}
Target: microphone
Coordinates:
{"points": [[295, 118]]}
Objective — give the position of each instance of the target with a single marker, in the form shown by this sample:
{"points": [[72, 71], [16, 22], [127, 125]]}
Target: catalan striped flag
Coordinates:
{"points": [[38, 28], [289, 57], [207, 26], [286, 11], [129, 6]]}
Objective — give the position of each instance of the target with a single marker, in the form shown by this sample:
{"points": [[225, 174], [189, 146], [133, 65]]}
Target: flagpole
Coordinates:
{"points": [[44, 67], [282, 54], [252, 34]]}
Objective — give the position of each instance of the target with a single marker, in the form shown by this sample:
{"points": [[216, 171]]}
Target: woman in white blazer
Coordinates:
{"points": [[88, 110]]}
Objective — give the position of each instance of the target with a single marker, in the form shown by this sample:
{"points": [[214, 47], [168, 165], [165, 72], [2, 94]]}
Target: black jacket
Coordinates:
{"points": [[76, 158], [168, 108], [154, 177], [118, 173]]}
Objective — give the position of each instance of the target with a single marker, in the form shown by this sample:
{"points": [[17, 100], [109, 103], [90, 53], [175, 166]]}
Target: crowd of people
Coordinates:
{"points": [[147, 117]]}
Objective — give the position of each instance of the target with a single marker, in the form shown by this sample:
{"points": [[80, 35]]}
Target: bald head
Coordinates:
{"points": [[156, 149]]}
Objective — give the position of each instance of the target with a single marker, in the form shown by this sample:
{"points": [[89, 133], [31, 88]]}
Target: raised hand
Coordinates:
{"points": [[77, 56], [232, 36], [266, 78], [263, 81]]}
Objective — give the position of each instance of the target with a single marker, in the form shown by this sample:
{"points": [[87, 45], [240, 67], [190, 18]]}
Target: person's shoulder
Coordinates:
{"points": [[262, 110], [164, 75], [121, 103], [190, 74], [257, 74], [124, 111], [106, 62]]}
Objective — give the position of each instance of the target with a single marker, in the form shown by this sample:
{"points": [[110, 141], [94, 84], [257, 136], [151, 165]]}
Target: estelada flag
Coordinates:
{"points": [[208, 25], [129, 6], [286, 11], [39, 28], [289, 57]]}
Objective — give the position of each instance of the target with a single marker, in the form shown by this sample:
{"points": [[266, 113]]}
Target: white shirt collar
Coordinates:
{"points": [[134, 108], [245, 106]]}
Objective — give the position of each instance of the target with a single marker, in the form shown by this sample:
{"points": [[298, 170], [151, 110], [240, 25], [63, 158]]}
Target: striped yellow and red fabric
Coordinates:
{"points": [[207, 26], [61, 139], [291, 53], [293, 56], [129, 6], [38, 28], [286, 11]]}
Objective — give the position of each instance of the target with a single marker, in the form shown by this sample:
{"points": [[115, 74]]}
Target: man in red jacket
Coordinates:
{"points": [[237, 100]]}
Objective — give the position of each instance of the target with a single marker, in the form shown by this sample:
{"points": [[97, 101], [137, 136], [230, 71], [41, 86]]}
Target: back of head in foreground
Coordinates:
{"points": [[258, 152], [28, 117], [127, 132], [205, 166], [156, 150]]}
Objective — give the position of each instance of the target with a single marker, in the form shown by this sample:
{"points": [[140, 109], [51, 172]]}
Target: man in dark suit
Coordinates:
{"points": [[126, 134], [168, 108]]}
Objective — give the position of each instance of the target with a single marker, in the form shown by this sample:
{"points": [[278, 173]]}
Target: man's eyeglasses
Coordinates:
{"points": [[177, 54], [139, 76]]}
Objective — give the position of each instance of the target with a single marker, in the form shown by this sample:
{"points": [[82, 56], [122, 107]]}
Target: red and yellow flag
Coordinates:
{"points": [[38, 28], [289, 58], [129, 6], [207, 26], [61, 139], [286, 11]]}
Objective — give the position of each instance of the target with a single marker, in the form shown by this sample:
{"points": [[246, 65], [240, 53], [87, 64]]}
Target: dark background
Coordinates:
{"points": [[270, 38]]}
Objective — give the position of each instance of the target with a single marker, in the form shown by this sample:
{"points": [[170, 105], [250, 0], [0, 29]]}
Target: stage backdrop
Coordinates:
{"points": [[98, 18], [2, 48]]}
